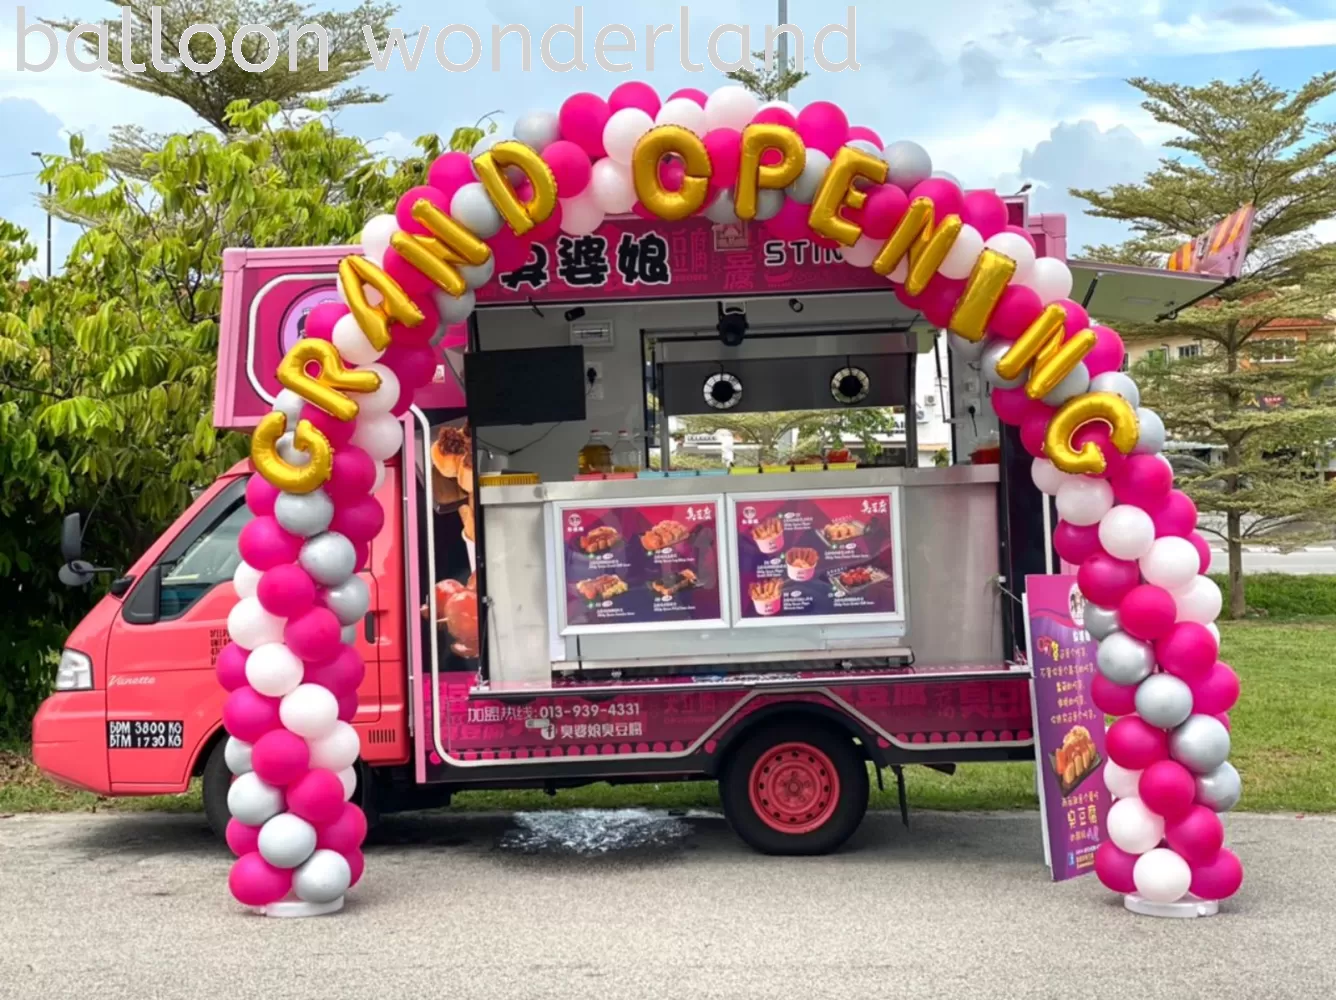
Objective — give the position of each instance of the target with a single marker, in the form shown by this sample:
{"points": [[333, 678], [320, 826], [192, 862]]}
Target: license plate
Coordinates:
{"points": [[139, 734]]}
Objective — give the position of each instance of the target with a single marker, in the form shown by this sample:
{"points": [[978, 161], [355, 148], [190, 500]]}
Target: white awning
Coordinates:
{"points": [[1123, 293]]}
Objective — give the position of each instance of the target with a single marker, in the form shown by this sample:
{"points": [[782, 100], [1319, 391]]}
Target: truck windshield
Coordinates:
{"points": [[210, 560]]}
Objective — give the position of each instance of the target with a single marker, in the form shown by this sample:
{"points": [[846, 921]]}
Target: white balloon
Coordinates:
{"points": [[373, 297], [613, 189], [310, 711], [1126, 532], [379, 435], [290, 405], [682, 111], [731, 107], [1133, 827], [455, 310], [582, 214], [375, 238], [721, 211], [471, 206], [1051, 279], [900, 272], [349, 778], [252, 802], [288, 450], [964, 253], [782, 105], [769, 202], [623, 131], [246, 579], [1121, 783], [1073, 384], [238, 756], [372, 404], [251, 626], [1047, 476], [477, 275], [1214, 629], [1018, 248], [273, 670], [338, 750], [1200, 601], [322, 879], [286, 840], [1161, 876], [381, 472], [351, 342], [1171, 563], [968, 351], [1084, 500], [862, 253]]}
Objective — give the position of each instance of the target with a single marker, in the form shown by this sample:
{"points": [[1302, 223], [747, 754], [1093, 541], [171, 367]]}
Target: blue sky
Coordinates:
{"points": [[999, 91]]}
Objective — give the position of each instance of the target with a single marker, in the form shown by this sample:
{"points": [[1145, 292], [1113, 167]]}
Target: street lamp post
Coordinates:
{"points": [[784, 46]]}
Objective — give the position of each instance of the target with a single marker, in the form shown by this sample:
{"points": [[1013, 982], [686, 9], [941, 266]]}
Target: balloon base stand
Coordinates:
{"points": [[1184, 909], [294, 908]]}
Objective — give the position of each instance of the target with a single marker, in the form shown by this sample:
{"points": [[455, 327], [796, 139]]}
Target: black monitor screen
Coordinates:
{"points": [[533, 386]]}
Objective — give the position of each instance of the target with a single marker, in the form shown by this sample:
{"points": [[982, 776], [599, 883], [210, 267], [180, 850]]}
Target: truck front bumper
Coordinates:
{"points": [[69, 740]]}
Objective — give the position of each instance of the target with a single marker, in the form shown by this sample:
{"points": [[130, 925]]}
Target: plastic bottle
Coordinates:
{"points": [[625, 454], [595, 456]]}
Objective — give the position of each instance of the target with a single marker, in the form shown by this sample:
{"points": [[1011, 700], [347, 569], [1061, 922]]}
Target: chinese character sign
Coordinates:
{"points": [[1070, 746]]}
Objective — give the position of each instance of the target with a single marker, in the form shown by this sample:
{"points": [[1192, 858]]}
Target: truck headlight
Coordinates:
{"points": [[75, 672]]}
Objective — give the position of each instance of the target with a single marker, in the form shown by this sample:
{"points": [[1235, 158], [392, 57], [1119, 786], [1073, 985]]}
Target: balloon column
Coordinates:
{"points": [[800, 174]]}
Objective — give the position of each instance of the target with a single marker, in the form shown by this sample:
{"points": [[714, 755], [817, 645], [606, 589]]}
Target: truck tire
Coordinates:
{"points": [[217, 780], [795, 788]]}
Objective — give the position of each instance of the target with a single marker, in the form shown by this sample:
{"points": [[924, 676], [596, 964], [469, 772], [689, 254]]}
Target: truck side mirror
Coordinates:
{"points": [[71, 539]]}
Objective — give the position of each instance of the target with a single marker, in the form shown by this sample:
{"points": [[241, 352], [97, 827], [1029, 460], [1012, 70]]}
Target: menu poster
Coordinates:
{"points": [[1068, 726], [816, 557], [641, 566]]}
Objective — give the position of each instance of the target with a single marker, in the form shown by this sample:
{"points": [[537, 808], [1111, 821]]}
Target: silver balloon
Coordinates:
{"points": [[538, 129], [487, 142], [1118, 384], [804, 189], [252, 802], [323, 878], [993, 352], [288, 450], [1101, 622], [1201, 744], [909, 163], [349, 601], [1220, 789], [472, 207], [967, 351], [290, 405], [238, 756], [768, 204], [870, 148], [1124, 660], [1151, 439], [456, 310], [348, 635], [329, 558], [477, 275], [304, 514], [286, 840], [721, 211], [1076, 383], [1164, 701]]}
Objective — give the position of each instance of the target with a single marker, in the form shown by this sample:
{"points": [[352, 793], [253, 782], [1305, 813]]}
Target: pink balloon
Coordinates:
{"points": [[339, 433], [1099, 436], [1107, 354], [1143, 481], [570, 166], [317, 797], [420, 335], [241, 838], [406, 276], [1215, 691], [1113, 867], [939, 299], [581, 119], [286, 591], [1034, 428], [1014, 406], [1077, 543], [362, 556], [1147, 612], [791, 221], [1135, 744], [857, 132], [509, 250], [823, 126], [1105, 580], [412, 364], [724, 145], [264, 544], [885, 207], [231, 667], [671, 174], [1077, 318], [255, 882], [542, 232], [985, 211], [947, 199], [1111, 698], [315, 636], [352, 476], [1018, 307], [449, 172], [403, 211], [345, 833], [776, 116], [1223, 719], [1219, 878], [1177, 515], [342, 675], [248, 715], [1168, 788], [1025, 234], [634, 94], [348, 707], [320, 320], [691, 94], [1188, 651], [261, 494], [356, 865], [1197, 836], [280, 758], [1203, 550], [360, 520]]}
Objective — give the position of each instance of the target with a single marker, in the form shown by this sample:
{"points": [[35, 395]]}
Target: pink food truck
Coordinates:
{"points": [[550, 608]]}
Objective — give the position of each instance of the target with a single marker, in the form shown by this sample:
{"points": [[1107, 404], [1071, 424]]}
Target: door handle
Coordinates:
{"points": [[369, 627]]}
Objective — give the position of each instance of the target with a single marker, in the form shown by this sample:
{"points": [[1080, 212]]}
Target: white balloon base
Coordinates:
{"points": [[1184, 909], [293, 908]]}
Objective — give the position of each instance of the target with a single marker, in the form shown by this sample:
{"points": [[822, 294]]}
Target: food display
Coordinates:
{"points": [[602, 588], [678, 582], [844, 529], [766, 596], [600, 539], [1076, 759], [457, 615], [801, 563], [453, 487], [769, 535], [663, 535]]}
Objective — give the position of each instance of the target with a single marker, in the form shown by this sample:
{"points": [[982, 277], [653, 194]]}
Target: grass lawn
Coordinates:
{"points": [[1284, 731]]}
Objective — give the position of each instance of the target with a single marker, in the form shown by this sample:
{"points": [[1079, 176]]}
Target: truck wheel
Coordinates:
{"points": [[217, 780], [795, 788]]}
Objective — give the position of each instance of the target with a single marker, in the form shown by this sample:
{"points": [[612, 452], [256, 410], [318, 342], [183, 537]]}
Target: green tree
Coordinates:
{"points": [[769, 83], [1242, 143]]}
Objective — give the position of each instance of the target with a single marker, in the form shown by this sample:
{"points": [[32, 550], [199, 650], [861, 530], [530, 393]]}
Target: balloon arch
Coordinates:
{"points": [[291, 669]]}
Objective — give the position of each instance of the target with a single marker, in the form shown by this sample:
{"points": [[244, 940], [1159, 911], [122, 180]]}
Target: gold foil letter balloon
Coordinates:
{"points": [[653, 146], [1093, 407], [837, 191], [269, 463], [753, 175], [325, 390], [491, 169]]}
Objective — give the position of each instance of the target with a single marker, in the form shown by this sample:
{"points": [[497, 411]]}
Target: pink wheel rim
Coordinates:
{"points": [[794, 788]]}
